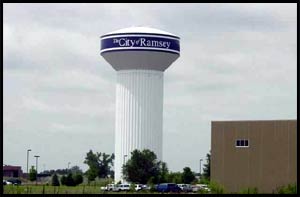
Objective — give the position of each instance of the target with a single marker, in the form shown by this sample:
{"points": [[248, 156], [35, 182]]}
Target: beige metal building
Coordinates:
{"points": [[248, 154]]}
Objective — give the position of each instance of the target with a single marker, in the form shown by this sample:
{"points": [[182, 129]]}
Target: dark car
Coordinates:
{"points": [[14, 181], [168, 187]]}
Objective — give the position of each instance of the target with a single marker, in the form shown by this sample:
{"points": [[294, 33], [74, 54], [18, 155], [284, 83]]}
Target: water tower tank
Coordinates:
{"points": [[140, 55]]}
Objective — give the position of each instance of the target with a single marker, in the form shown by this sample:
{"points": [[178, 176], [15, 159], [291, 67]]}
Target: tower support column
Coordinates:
{"points": [[139, 113]]}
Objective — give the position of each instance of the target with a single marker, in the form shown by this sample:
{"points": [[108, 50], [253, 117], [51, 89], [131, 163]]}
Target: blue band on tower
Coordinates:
{"points": [[142, 42]]}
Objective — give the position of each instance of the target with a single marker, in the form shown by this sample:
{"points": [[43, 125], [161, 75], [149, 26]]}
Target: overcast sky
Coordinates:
{"points": [[238, 62]]}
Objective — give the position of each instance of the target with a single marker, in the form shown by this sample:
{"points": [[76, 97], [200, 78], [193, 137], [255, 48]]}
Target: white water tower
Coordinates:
{"points": [[140, 55]]}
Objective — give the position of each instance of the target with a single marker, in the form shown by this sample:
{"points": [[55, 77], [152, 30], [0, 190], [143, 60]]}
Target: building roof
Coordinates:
{"points": [[254, 120], [7, 167]]}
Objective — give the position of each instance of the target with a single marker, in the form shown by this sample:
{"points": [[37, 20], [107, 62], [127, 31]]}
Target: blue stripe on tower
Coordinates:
{"points": [[140, 42]]}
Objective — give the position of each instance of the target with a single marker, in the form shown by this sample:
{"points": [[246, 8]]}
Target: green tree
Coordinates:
{"points": [[163, 175], [76, 170], [100, 165], [63, 180], [78, 179], [206, 168], [141, 166], [132, 187], [174, 177], [105, 164], [69, 180], [91, 160], [55, 181], [32, 174], [187, 175], [91, 174]]}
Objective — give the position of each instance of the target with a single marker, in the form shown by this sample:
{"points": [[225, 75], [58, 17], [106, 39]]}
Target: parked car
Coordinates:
{"points": [[138, 187], [168, 187], [195, 188], [124, 187], [4, 182], [121, 187], [13, 181], [109, 187], [185, 187], [147, 187], [204, 187]]}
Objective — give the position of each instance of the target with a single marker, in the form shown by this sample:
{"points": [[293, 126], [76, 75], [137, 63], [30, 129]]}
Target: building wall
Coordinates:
{"points": [[268, 162], [12, 171]]}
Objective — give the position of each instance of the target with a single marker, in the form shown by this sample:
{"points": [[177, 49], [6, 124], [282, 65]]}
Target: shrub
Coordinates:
{"points": [[132, 187], [63, 180], [249, 190], [289, 189], [202, 191], [150, 180], [78, 179], [69, 180], [204, 180], [32, 174], [216, 188], [55, 181], [152, 187]]}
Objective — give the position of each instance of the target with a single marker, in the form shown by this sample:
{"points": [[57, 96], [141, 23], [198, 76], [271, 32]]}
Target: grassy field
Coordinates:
{"points": [[40, 189]]}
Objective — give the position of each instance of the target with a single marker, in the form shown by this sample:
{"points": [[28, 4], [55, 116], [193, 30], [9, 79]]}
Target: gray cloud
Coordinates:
{"points": [[237, 62]]}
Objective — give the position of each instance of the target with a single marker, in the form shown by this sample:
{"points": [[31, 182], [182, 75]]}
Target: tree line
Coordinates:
{"points": [[142, 167]]}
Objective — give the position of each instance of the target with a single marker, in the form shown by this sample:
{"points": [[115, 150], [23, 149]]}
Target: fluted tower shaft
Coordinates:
{"points": [[139, 110]]}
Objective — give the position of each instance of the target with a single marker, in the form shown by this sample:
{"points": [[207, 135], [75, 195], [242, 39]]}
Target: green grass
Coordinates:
{"points": [[33, 189], [40, 189]]}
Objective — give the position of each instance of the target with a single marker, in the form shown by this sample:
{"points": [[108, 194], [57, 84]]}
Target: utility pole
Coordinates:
{"points": [[68, 166], [200, 167], [27, 161], [36, 167]]}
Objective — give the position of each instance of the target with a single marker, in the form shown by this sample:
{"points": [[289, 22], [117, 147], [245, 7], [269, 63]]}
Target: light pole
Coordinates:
{"points": [[36, 167], [27, 160], [68, 166], [200, 167]]}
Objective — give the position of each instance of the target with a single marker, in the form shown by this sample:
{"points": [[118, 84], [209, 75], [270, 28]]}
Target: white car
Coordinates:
{"points": [[103, 188], [185, 187], [138, 187], [204, 187], [109, 187], [121, 187], [195, 188], [124, 187]]}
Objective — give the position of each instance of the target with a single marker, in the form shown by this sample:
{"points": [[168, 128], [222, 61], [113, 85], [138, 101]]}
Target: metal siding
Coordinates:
{"points": [[269, 162]]}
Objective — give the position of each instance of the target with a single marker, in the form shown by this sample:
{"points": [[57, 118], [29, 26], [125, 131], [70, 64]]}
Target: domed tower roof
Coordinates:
{"points": [[139, 30]]}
